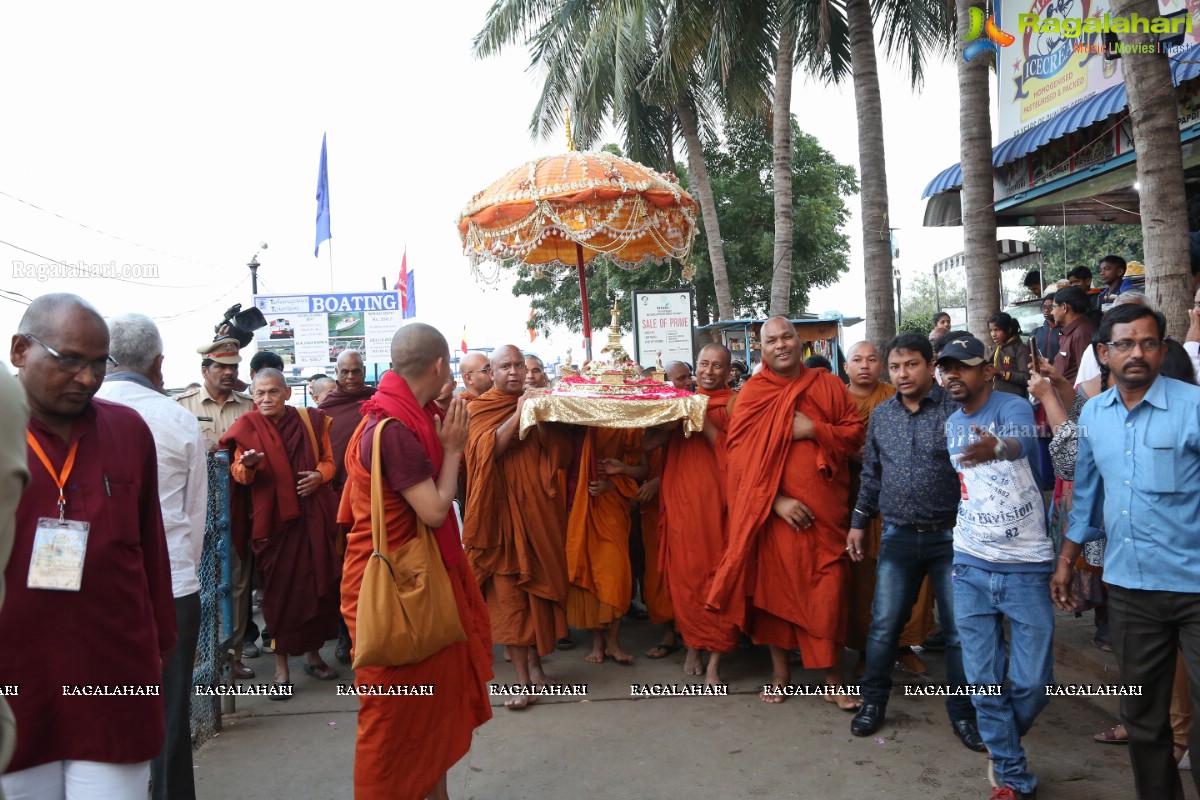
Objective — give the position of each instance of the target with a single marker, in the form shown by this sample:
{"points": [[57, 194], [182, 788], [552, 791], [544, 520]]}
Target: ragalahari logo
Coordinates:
{"points": [[983, 25]]}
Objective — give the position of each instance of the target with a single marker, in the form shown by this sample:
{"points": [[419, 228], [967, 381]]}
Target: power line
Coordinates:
{"points": [[214, 301]]}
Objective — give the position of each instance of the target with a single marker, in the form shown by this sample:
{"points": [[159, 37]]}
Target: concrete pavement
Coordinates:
{"points": [[613, 745]]}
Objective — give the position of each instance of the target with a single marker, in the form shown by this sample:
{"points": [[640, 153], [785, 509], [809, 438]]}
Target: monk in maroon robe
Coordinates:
{"points": [[287, 464]]}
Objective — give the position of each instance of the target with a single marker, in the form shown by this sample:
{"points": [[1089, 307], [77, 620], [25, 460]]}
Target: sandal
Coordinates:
{"points": [[322, 671], [1114, 735], [280, 684], [661, 650]]}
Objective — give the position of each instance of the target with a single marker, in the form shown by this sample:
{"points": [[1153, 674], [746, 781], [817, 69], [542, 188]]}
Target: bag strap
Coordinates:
{"points": [[312, 435], [379, 539]]}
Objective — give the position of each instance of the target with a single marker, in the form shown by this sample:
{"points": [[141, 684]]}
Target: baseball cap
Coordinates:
{"points": [[967, 350]]}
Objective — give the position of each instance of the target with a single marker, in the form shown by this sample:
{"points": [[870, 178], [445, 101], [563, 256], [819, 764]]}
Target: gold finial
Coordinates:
{"points": [[570, 140]]}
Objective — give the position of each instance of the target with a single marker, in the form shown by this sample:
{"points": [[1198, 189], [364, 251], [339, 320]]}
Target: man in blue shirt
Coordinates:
{"points": [[905, 457], [1138, 478], [1003, 560]]}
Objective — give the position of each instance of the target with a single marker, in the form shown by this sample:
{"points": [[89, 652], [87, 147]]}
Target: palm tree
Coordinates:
{"points": [[978, 197], [781, 139], [598, 59], [1163, 204]]}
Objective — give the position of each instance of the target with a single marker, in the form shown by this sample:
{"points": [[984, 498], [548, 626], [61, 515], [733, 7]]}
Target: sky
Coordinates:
{"points": [[178, 141]]}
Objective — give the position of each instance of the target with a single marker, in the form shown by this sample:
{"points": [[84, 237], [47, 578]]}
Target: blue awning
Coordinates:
{"points": [[1184, 66]]}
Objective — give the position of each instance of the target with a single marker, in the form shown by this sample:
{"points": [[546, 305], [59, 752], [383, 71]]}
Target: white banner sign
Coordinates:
{"points": [[311, 330], [662, 321]]}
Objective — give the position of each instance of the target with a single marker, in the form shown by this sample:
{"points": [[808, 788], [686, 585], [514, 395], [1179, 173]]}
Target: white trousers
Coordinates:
{"points": [[78, 780]]}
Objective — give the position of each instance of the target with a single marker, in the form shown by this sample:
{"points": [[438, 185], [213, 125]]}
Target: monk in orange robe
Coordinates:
{"points": [[654, 589], [601, 577], [692, 528], [288, 465], [790, 441], [514, 522], [406, 744], [864, 367]]}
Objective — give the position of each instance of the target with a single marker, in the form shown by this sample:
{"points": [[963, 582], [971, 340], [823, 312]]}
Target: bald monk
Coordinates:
{"points": [[445, 395], [514, 521], [692, 528], [535, 373], [791, 437], [476, 375], [864, 366], [601, 576], [288, 467], [406, 745]]}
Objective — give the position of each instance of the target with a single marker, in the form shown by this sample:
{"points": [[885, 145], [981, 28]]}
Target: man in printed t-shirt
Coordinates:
{"points": [[1003, 561]]}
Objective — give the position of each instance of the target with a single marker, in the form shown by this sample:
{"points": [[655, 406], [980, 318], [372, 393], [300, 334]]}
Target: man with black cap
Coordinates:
{"points": [[1003, 561], [217, 404]]}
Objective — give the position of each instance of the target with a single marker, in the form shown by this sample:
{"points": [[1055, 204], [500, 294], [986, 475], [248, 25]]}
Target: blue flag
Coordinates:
{"points": [[322, 201], [410, 309]]}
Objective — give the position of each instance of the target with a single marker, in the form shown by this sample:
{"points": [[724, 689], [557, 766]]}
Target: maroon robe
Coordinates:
{"points": [[345, 409], [110, 633], [293, 537]]}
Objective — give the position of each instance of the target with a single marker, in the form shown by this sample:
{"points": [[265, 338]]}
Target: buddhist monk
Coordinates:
{"points": [[287, 464], [791, 437], [406, 745], [514, 521], [476, 375], [610, 466], [535, 373], [692, 528], [864, 366], [445, 395]]}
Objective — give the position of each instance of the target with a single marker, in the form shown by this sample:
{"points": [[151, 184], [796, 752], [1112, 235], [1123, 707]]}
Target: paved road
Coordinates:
{"points": [[615, 746]]}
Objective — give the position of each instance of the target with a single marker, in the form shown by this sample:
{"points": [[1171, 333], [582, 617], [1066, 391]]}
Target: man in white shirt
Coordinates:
{"points": [[1089, 367], [136, 381]]}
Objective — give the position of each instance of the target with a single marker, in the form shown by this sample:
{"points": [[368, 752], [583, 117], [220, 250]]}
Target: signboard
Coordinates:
{"points": [[1059, 62], [310, 330], [662, 321]]}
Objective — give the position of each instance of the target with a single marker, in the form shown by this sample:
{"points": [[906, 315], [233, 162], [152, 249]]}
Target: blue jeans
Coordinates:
{"points": [[906, 556], [982, 599]]}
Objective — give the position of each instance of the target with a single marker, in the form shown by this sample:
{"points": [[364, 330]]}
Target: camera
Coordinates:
{"points": [[239, 324]]}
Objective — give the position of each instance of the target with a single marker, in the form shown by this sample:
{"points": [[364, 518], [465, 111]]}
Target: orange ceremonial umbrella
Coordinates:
{"points": [[565, 210]]}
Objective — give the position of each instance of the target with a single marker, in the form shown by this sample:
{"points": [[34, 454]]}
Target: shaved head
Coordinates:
{"points": [[476, 372], [535, 373], [508, 369], [863, 366], [415, 348], [715, 352], [348, 357], [351, 374], [45, 313], [863, 345], [59, 387], [781, 347], [679, 374], [712, 367]]}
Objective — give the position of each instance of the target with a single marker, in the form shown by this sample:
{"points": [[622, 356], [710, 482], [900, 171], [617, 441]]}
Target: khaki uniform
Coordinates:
{"points": [[215, 417]]}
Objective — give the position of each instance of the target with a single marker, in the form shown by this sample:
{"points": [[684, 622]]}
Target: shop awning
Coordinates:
{"points": [[1184, 66]]}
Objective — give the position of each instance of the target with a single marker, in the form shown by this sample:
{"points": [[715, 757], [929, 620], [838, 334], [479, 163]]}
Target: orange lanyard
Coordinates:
{"points": [[59, 480]]}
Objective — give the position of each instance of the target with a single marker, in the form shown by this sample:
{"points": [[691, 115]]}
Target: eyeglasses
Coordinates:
{"points": [[73, 364], [1127, 345], [488, 369]]}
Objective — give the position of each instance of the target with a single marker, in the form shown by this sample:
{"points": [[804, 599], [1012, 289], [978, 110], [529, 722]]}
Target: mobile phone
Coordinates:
{"points": [[1034, 358]]}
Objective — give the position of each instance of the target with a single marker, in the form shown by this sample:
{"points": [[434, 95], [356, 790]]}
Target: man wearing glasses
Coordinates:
{"points": [[89, 620], [1136, 480], [476, 375]]}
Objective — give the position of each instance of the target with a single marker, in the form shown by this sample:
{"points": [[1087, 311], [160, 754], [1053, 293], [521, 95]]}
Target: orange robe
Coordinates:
{"points": [[862, 573], [693, 527], [793, 581], [406, 743], [598, 533], [654, 589], [513, 526]]}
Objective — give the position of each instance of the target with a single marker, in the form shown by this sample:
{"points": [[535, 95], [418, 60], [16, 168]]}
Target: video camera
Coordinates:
{"points": [[239, 324]]}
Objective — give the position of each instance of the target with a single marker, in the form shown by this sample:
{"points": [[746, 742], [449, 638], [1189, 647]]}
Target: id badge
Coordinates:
{"points": [[58, 551]]}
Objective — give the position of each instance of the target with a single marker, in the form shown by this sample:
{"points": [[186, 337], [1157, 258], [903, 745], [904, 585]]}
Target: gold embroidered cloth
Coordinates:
{"points": [[603, 412]]}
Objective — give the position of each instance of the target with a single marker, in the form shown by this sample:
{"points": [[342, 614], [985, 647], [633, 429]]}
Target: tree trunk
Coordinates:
{"points": [[1153, 110], [978, 197], [698, 180], [781, 142], [873, 194]]}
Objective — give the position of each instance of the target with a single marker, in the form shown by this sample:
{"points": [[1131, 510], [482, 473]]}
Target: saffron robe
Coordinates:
{"points": [[598, 533], [792, 582], [693, 527], [292, 536], [655, 593], [513, 526], [862, 573], [406, 743]]}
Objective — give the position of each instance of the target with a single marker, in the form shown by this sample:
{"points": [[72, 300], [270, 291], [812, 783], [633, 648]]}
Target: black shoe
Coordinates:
{"points": [[342, 651], [935, 641], [968, 734], [868, 719]]}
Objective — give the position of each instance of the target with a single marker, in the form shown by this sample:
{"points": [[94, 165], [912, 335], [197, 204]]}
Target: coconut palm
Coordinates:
{"points": [[598, 58], [1163, 205]]}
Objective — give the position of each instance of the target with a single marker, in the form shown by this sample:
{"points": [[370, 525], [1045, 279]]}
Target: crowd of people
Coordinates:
{"points": [[809, 516]]}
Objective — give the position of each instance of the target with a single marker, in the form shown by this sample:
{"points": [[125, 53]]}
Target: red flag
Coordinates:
{"points": [[464, 340], [402, 284], [532, 332]]}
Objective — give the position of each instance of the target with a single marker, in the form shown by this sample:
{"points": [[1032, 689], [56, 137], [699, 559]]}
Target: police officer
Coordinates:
{"points": [[216, 404]]}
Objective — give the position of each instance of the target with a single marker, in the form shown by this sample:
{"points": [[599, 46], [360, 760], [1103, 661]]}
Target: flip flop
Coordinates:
{"points": [[661, 650], [322, 672], [1110, 736]]}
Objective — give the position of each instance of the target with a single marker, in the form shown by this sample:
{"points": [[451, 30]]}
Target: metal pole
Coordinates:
{"points": [[253, 265], [587, 320]]}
